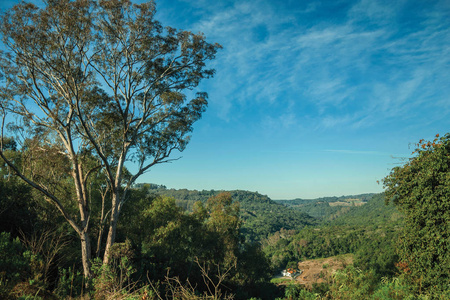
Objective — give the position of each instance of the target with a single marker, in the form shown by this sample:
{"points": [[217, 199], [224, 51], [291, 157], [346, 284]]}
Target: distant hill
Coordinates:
{"points": [[374, 213], [369, 230], [364, 209], [326, 207], [261, 216], [299, 201]]}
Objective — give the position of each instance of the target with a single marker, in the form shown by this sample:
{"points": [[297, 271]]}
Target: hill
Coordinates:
{"points": [[261, 215], [369, 231], [374, 212], [325, 207]]}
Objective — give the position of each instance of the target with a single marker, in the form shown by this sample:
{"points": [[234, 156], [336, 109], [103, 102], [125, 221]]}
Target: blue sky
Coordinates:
{"points": [[311, 98]]}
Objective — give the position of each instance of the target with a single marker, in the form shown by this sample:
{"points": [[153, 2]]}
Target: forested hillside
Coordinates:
{"points": [[356, 229], [374, 212], [260, 215], [360, 224], [326, 207]]}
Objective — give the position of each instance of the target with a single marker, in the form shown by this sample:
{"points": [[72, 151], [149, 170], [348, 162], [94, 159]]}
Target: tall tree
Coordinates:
{"points": [[98, 84], [421, 190]]}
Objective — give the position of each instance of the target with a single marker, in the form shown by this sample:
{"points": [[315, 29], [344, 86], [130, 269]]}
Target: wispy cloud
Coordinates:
{"points": [[369, 65]]}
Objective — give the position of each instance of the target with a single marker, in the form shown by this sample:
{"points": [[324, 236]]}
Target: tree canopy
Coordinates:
{"points": [[88, 86], [421, 191]]}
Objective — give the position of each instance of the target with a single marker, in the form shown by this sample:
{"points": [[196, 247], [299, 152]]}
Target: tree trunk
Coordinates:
{"points": [[86, 255], [99, 241], [112, 229], [101, 225], [110, 240]]}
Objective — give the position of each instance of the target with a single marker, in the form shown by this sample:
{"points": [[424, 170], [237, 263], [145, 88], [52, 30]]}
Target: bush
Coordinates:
{"points": [[70, 283], [13, 265], [352, 283], [115, 278]]}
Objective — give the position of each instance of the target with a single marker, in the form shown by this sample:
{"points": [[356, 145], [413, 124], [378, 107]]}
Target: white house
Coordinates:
{"points": [[291, 272]]}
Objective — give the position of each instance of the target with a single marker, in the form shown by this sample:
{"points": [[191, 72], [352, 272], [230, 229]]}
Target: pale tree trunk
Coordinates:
{"points": [[86, 254], [99, 242], [101, 225], [116, 205], [112, 229], [109, 241], [83, 205]]}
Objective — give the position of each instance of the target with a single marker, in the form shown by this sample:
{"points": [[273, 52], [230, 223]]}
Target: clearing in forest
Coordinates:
{"points": [[320, 270]]}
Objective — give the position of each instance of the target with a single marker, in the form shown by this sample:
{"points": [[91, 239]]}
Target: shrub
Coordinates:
{"points": [[13, 265]]}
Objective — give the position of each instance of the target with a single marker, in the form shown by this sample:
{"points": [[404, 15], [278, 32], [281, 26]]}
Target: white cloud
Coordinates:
{"points": [[374, 11], [355, 71]]}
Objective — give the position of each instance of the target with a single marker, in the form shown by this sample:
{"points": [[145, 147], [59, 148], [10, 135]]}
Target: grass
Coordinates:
{"points": [[280, 280]]}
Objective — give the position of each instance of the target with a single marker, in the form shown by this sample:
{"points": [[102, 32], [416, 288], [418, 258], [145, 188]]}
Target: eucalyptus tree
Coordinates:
{"points": [[96, 84]]}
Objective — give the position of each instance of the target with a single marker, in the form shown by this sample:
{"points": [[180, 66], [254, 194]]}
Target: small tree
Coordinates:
{"points": [[421, 190], [95, 84]]}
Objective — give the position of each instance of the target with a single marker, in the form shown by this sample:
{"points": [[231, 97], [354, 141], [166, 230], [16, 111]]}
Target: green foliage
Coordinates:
{"points": [[352, 283], [368, 231], [374, 212], [292, 290], [253, 273], [292, 265], [115, 277], [14, 266], [172, 242], [36, 263], [394, 289], [421, 191], [307, 295], [166, 240], [280, 280], [377, 252], [295, 291], [70, 283], [260, 215], [319, 210], [170, 239], [17, 212], [223, 223], [310, 243]]}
